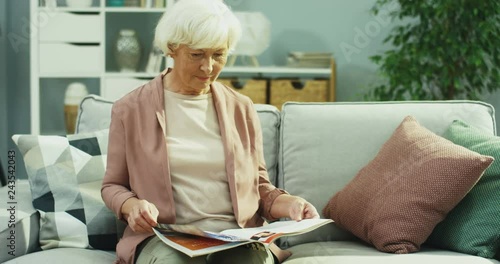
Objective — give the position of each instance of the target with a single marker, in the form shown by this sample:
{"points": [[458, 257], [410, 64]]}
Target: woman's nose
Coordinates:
{"points": [[207, 65]]}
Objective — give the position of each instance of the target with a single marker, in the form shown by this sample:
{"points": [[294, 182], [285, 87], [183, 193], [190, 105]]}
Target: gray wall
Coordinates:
{"points": [[16, 99], [494, 99], [3, 85], [343, 27]]}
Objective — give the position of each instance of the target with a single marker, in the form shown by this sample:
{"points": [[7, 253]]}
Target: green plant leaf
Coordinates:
{"points": [[441, 49]]}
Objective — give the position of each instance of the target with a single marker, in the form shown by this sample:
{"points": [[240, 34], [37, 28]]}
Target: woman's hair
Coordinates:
{"points": [[198, 24]]}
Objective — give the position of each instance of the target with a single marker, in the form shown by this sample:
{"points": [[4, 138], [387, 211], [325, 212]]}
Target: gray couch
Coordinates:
{"points": [[311, 149]]}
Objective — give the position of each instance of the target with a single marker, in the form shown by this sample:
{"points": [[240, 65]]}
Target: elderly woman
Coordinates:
{"points": [[186, 149]]}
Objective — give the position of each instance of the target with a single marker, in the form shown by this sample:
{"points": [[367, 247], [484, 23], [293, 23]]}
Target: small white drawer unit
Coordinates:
{"points": [[71, 27], [68, 58], [70, 43]]}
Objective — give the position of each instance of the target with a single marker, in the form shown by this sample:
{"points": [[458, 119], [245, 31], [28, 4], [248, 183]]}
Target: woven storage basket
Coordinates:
{"points": [[284, 90], [256, 89]]}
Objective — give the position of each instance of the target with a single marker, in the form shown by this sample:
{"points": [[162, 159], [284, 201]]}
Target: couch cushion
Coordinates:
{"points": [[346, 252], [95, 114], [396, 200], [24, 223], [65, 175], [66, 255], [270, 122], [473, 226], [324, 145]]}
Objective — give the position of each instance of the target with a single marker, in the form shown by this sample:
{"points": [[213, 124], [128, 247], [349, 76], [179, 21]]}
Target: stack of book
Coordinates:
{"points": [[154, 60], [309, 59], [152, 3]]}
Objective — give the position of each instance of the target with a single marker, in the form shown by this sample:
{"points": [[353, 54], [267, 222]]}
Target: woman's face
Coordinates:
{"points": [[195, 69]]}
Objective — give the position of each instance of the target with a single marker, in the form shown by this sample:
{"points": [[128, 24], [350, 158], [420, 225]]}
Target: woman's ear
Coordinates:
{"points": [[170, 50]]}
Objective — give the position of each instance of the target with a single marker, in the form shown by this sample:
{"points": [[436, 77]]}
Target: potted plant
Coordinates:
{"points": [[447, 49]]}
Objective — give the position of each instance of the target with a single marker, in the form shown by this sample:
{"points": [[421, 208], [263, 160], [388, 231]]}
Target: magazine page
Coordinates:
{"points": [[268, 233], [194, 242], [194, 230], [193, 245], [185, 229]]}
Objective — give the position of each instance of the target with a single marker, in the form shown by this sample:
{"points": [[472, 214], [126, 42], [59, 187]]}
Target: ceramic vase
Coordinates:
{"points": [[74, 94], [127, 51]]}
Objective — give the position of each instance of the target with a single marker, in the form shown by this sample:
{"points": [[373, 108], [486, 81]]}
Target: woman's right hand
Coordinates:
{"points": [[141, 215]]}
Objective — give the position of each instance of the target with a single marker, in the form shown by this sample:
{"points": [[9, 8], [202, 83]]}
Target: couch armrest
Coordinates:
{"points": [[19, 222]]}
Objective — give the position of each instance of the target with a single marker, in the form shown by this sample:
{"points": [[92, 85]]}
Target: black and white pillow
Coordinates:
{"points": [[65, 175]]}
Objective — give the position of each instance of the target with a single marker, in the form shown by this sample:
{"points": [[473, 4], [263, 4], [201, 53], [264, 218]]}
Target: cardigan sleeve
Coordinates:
{"points": [[267, 191], [115, 188]]}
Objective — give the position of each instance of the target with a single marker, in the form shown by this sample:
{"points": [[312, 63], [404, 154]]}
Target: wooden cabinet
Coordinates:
{"points": [[284, 84], [256, 89], [310, 90]]}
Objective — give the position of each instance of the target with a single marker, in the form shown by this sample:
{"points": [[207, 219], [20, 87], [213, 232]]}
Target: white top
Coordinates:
{"points": [[197, 162]]}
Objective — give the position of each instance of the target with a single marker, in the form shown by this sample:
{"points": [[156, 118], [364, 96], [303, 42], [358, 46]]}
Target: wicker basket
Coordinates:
{"points": [[256, 89], [284, 90]]}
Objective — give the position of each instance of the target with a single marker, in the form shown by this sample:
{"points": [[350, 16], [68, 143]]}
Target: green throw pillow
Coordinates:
{"points": [[473, 226]]}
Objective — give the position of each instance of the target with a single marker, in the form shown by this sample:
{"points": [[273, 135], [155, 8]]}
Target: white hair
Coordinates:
{"points": [[198, 24]]}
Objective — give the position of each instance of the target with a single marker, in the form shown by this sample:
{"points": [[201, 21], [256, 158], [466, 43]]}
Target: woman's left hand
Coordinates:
{"points": [[294, 207], [302, 209]]}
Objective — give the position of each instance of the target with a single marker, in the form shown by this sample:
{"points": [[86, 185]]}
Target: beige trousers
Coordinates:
{"points": [[153, 250]]}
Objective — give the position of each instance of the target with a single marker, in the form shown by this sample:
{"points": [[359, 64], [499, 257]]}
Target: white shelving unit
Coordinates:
{"points": [[76, 44]]}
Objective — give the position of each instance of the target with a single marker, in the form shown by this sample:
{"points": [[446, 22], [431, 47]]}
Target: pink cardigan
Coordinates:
{"points": [[137, 162]]}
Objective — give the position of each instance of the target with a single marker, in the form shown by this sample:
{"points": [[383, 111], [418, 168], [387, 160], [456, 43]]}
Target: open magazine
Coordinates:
{"points": [[194, 242]]}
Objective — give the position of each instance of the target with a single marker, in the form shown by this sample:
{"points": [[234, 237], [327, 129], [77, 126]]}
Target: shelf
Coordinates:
{"points": [[131, 74], [98, 75], [134, 10], [235, 69], [238, 69], [276, 69], [116, 21], [105, 9], [69, 75], [51, 102], [71, 9]]}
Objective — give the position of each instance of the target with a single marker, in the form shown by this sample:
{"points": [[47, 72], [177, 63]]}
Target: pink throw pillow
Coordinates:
{"points": [[397, 199]]}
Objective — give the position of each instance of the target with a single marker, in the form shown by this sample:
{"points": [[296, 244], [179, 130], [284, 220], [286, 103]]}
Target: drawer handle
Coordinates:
{"points": [[297, 84], [83, 13], [237, 84], [84, 44]]}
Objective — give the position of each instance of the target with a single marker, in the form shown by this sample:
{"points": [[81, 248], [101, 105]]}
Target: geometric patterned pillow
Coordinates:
{"points": [[65, 175]]}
